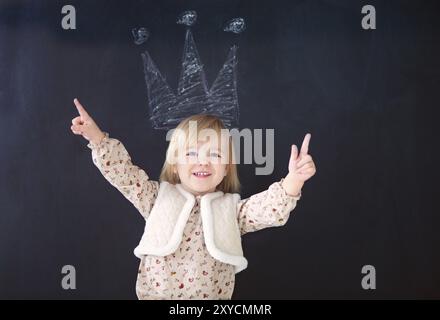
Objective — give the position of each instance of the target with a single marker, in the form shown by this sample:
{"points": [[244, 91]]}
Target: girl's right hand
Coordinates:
{"points": [[84, 125]]}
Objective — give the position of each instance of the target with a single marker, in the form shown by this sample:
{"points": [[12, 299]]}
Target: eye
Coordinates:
{"points": [[192, 153], [215, 155]]}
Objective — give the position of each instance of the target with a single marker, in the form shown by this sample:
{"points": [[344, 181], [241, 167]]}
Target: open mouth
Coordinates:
{"points": [[201, 174]]}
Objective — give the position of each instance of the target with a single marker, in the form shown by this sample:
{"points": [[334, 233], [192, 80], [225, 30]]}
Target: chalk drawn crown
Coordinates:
{"points": [[167, 108]]}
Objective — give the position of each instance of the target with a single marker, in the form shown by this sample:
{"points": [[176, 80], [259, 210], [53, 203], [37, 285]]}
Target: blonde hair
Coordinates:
{"points": [[182, 136]]}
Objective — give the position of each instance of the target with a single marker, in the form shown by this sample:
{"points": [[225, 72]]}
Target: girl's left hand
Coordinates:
{"points": [[301, 166]]}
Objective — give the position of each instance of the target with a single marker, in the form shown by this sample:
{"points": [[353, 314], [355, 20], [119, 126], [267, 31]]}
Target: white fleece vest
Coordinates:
{"points": [[164, 226]]}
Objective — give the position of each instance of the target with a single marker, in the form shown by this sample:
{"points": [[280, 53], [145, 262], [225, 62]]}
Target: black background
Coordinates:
{"points": [[367, 96]]}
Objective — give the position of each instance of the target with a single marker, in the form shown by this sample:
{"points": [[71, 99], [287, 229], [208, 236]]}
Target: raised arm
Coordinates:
{"points": [[271, 208], [113, 161]]}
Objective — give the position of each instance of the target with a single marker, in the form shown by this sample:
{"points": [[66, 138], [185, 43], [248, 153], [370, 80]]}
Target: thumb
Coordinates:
{"points": [[293, 156], [294, 152]]}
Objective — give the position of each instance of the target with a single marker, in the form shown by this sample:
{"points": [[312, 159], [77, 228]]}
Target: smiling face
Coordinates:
{"points": [[200, 156], [201, 168]]}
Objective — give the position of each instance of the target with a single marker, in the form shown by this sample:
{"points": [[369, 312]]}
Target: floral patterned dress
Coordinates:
{"points": [[190, 272]]}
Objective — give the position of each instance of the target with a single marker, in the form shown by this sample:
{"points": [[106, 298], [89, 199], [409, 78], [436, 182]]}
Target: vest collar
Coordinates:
{"points": [[222, 240], [189, 196]]}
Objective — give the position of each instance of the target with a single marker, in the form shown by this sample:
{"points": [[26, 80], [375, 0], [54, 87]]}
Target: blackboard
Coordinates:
{"points": [[369, 98]]}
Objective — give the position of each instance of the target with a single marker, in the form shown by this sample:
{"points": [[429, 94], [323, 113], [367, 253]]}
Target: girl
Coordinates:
{"points": [[191, 246]]}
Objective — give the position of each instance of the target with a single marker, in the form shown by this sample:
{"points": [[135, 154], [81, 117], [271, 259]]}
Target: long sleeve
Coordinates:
{"points": [[269, 208], [114, 162]]}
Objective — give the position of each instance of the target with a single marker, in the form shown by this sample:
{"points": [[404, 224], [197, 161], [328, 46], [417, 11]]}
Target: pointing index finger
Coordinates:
{"points": [[82, 112], [305, 144]]}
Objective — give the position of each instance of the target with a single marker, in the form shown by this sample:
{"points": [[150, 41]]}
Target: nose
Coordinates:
{"points": [[202, 159]]}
